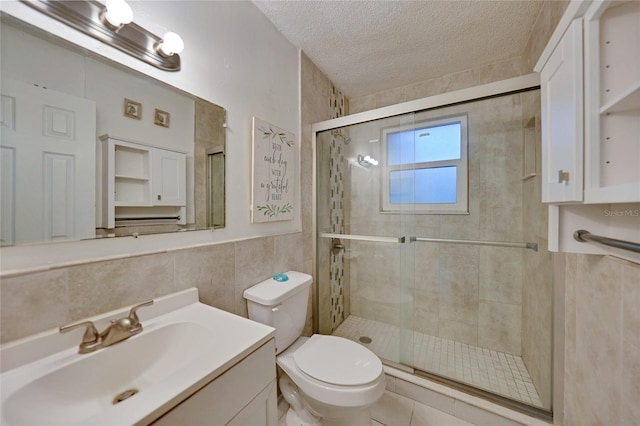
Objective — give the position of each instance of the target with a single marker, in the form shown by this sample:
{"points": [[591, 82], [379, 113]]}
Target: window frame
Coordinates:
{"points": [[461, 206]]}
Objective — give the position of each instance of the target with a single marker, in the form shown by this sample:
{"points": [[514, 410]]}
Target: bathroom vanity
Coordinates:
{"points": [[189, 365], [243, 395]]}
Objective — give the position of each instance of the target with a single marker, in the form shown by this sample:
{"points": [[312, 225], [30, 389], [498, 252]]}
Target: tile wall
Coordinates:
{"points": [[321, 101], [337, 175], [537, 274], [535, 311], [39, 301], [209, 138], [43, 300], [602, 341], [469, 294]]}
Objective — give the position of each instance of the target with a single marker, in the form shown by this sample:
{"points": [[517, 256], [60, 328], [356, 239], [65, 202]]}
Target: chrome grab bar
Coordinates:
{"points": [[585, 236], [373, 238], [525, 245]]}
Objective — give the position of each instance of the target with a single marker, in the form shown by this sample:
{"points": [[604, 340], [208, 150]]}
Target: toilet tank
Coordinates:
{"points": [[282, 305]]}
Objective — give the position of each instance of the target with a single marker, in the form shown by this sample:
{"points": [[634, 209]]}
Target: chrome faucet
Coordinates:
{"points": [[118, 330]]}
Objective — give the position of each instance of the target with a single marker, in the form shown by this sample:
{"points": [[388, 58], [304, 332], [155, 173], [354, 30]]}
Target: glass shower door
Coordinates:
{"points": [[363, 261], [431, 244]]}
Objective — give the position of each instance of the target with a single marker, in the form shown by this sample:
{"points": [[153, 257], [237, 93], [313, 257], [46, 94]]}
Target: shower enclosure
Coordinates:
{"points": [[431, 239]]}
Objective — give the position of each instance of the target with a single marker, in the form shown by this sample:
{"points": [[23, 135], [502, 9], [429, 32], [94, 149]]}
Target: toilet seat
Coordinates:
{"points": [[325, 392], [337, 361]]}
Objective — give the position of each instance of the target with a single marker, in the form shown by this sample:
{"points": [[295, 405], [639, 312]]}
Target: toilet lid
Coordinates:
{"points": [[337, 361]]}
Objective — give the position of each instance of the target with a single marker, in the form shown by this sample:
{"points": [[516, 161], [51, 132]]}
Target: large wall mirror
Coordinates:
{"points": [[91, 149]]}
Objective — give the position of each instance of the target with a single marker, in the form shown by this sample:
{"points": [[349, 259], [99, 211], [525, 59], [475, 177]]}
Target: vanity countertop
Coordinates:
{"points": [[202, 343]]}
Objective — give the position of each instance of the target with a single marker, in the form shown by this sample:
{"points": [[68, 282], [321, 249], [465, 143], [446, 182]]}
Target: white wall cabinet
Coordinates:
{"points": [[562, 119], [168, 178], [612, 102], [590, 76], [591, 105], [244, 395], [141, 183]]}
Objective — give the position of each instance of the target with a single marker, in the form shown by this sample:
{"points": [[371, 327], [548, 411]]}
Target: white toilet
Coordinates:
{"points": [[328, 379]]}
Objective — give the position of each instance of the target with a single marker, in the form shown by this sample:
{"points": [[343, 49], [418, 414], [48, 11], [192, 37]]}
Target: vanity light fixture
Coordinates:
{"points": [[170, 44], [116, 14], [112, 23], [367, 161]]}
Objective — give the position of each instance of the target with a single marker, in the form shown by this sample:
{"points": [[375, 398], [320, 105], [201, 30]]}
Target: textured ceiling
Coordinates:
{"points": [[365, 47]]}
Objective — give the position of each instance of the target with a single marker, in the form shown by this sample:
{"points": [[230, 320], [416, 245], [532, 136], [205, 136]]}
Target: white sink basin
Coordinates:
{"points": [[178, 352]]}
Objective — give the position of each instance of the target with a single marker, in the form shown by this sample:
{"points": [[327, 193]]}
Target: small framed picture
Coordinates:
{"points": [[132, 109], [161, 118]]}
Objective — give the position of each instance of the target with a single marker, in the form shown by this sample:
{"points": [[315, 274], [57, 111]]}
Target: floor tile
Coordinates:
{"points": [[423, 415], [393, 410]]}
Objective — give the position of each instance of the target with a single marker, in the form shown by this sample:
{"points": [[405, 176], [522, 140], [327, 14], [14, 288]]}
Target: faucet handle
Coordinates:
{"points": [[90, 338], [133, 316]]}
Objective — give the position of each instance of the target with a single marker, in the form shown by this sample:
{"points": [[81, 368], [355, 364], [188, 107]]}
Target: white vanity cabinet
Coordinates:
{"points": [[141, 182], [244, 395]]}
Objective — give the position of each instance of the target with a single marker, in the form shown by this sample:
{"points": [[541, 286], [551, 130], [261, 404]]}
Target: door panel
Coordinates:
{"points": [[53, 139]]}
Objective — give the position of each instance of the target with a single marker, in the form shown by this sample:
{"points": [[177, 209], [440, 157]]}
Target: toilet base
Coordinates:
{"points": [[292, 419], [363, 418], [301, 414]]}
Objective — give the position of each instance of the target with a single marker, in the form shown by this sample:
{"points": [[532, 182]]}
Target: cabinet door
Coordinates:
{"points": [[562, 119], [261, 411], [169, 178], [243, 395]]}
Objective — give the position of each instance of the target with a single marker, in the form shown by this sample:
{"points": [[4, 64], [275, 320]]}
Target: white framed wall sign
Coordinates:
{"points": [[273, 168]]}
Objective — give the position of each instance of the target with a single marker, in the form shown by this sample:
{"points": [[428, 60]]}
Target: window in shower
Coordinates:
{"points": [[425, 166]]}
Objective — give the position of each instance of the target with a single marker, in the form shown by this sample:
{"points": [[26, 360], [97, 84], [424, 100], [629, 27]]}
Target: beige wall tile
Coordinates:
{"points": [[100, 287], [287, 253], [254, 263], [425, 396], [630, 391], [593, 372], [33, 303], [40, 301], [315, 94], [481, 417], [212, 270], [499, 327], [547, 20], [424, 415], [497, 71], [500, 275]]}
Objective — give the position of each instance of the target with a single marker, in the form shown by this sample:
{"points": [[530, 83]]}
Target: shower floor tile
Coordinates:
{"points": [[498, 372]]}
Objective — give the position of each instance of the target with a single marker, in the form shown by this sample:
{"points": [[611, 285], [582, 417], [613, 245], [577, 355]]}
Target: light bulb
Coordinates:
{"points": [[367, 158], [374, 161], [118, 12], [171, 43]]}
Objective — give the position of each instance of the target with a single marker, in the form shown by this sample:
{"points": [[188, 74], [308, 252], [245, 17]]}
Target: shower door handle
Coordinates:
{"points": [[336, 246], [372, 238]]}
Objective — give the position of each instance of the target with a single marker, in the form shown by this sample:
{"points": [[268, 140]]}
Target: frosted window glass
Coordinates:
{"points": [[438, 143], [423, 186]]}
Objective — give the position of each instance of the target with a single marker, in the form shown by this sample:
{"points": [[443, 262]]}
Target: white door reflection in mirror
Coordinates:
{"points": [[48, 159]]}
